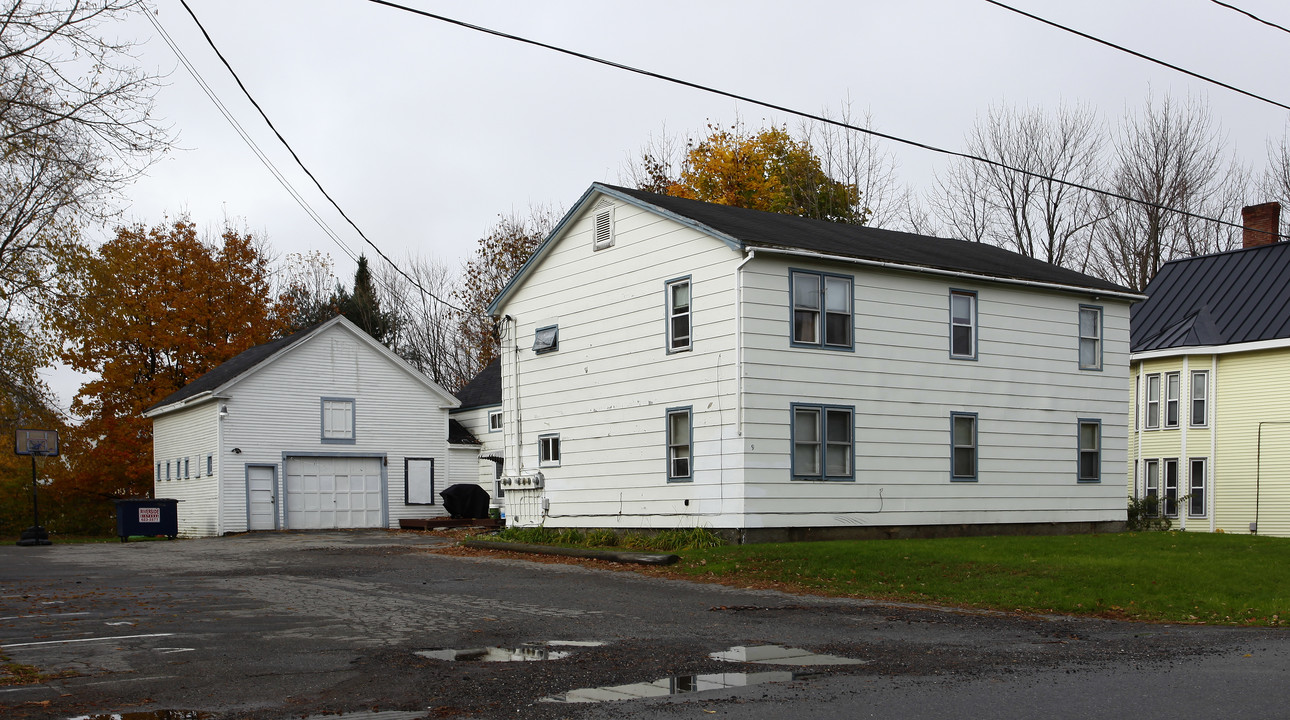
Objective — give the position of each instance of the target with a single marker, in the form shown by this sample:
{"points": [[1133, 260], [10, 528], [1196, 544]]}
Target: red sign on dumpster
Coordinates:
{"points": [[149, 515]]}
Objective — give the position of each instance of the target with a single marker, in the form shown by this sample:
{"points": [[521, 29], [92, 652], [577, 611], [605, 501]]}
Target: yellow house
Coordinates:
{"points": [[1210, 365]]}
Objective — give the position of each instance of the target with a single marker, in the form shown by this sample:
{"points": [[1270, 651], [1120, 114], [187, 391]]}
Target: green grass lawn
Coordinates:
{"points": [[1156, 576]]}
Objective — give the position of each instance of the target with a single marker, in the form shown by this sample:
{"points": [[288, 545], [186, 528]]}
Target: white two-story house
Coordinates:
{"points": [[672, 363]]}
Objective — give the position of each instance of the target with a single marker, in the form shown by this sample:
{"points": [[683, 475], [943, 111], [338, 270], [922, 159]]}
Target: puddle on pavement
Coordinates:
{"points": [[678, 685], [528, 652], [777, 655], [684, 684], [148, 715]]}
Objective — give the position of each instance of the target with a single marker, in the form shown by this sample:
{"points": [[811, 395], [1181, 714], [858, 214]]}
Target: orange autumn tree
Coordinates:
{"points": [[148, 312], [763, 170]]}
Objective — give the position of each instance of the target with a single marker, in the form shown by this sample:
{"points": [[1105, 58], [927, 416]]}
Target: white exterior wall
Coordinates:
{"points": [[608, 386], [480, 471], [275, 411], [189, 433], [1025, 385]]}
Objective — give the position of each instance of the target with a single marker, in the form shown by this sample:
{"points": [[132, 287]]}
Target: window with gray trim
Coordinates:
{"points": [[680, 436], [1171, 488], [1172, 383], [1090, 337], [823, 442], [1090, 451], [1196, 488], [337, 420], [963, 450], [1199, 398], [822, 310], [963, 324], [549, 450], [186, 475], [1151, 469], [678, 315], [1152, 420], [418, 481], [546, 339]]}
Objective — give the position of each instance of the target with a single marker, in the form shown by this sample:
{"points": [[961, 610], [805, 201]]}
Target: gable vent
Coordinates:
{"points": [[604, 227]]}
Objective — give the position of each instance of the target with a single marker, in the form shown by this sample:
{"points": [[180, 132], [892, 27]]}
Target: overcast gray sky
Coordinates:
{"points": [[425, 132]]}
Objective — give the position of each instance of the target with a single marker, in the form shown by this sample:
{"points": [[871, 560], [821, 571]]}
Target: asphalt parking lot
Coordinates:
{"points": [[375, 624]]}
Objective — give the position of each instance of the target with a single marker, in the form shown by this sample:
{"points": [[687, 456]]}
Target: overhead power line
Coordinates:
{"points": [[246, 137], [305, 168], [798, 113], [1137, 54], [1251, 16]]}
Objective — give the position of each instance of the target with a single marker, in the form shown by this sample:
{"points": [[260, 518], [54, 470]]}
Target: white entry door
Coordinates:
{"points": [[261, 497], [334, 492]]}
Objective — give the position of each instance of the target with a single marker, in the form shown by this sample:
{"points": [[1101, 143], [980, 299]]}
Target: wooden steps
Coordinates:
{"points": [[438, 523]]}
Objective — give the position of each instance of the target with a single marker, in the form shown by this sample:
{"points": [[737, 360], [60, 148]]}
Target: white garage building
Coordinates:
{"points": [[323, 429]]}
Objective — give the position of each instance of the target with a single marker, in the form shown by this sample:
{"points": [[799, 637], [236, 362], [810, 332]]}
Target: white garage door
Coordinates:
{"points": [[331, 492]]}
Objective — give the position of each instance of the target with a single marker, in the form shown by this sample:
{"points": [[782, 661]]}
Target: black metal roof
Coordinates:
{"points": [[459, 435], [755, 228], [1233, 297], [484, 389], [233, 367]]}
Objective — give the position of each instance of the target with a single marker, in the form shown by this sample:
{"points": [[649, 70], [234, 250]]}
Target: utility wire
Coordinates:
{"points": [[1137, 54], [246, 137], [302, 165], [799, 113], [1251, 16]]}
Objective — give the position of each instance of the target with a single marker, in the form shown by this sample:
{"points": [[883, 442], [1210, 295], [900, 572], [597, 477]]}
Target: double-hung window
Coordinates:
{"points": [[1152, 488], [337, 420], [1152, 420], [679, 439], [1171, 488], [822, 310], [963, 324], [1172, 383], [963, 446], [1196, 490], [678, 315], [823, 442], [1090, 450], [1090, 337], [549, 450], [1199, 396]]}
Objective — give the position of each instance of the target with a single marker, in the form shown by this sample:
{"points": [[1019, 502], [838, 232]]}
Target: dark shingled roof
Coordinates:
{"points": [[755, 228], [1233, 297], [484, 389], [233, 367], [459, 435]]}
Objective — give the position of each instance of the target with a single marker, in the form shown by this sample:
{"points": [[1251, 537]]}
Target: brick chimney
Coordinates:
{"points": [[1262, 224]]}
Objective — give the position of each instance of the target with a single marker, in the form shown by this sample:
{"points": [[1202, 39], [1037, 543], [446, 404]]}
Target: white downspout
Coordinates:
{"points": [[739, 342]]}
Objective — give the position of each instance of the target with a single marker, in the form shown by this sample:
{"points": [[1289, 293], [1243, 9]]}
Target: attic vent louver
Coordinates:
{"points": [[604, 226]]}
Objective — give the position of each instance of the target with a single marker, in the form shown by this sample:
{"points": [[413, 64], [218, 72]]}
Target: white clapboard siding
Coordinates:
{"points": [[274, 412], [1025, 386], [480, 471], [191, 433], [607, 388]]}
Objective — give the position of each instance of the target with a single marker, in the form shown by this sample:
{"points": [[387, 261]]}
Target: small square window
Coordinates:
{"points": [[337, 420], [548, 451], [1090, 338], [546, 339], [963, 435], [963, 324], [494, 421]]}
